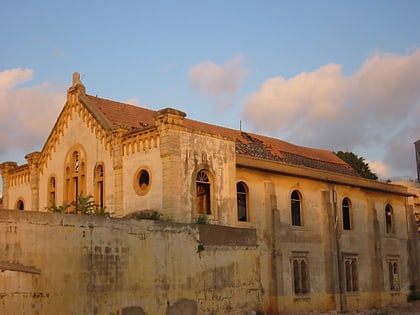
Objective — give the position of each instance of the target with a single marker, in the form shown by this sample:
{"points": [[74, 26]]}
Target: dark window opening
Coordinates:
{"points": [[241, 201], [300, 276], [346, 214], [144, 180], [351, 275], [295, 205], [20, 205], [388, 218]]}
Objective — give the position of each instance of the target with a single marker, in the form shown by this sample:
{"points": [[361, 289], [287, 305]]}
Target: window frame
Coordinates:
{"points": [[140, 189], [346, 214], [296, 217], [203, 188], [242, 197], [351, 273], [389, 218], [394, 273], [300, 273]]}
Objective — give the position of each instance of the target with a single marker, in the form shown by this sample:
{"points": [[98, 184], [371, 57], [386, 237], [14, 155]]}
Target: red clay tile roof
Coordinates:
{"points": [[246, 143]]}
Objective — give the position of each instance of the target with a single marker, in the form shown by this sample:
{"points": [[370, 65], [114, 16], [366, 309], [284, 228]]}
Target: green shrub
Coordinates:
{"points": [[414, 294], [202, 219]]}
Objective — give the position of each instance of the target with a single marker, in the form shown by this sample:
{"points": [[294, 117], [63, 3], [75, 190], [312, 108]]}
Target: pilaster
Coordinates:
{"points": [[169, 124], [5, 168], [33, 162]]}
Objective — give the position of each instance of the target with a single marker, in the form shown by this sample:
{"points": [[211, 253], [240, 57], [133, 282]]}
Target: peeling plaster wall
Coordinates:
{"points": [[72, 264]]}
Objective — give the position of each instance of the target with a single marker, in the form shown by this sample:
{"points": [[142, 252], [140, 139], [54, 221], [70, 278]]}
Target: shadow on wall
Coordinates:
{"points": [[181, 307]]}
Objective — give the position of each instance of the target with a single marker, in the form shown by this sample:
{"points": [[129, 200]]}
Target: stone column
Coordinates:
{"points": [[169, 123], [118, 163], [5, 168], [33, 160]]}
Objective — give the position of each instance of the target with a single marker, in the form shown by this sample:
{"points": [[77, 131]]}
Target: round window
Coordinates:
{"points": [[142, 181]]}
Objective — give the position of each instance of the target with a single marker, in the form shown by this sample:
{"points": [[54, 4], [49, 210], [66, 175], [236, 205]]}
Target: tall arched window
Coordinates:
{"points": [[295, 201], [99, 185], [203, 189], [75, 178], [388, 219], [242, 201], [346, 214], [51, 191]]}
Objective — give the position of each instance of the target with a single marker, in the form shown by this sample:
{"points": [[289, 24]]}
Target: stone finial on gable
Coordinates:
{"points": [[77, 84], [76, 78]]}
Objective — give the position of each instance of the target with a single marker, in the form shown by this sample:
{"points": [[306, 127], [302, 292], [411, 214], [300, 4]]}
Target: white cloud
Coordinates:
{"points": [[379, 168], [26, 114], [368, 109], [11, 78], [221, 82]]}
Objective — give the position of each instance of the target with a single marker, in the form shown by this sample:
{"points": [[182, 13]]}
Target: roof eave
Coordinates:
{"points": [[320, 175]]}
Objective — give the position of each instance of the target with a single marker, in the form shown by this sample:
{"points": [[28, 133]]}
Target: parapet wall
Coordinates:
{"points": [[72, 264]]}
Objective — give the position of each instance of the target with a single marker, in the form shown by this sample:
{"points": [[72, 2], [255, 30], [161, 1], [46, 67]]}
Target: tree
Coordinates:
{"points": [[357, 163]]}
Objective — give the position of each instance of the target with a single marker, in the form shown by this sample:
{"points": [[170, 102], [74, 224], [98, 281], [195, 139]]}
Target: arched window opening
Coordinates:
{"points": [[388, 218], [296, 208], [203, 193], [351, 272], [52, 191], [99, 185], [241, 201], [300, 275], [346, 214], [74, 182], [20, 205], [394, 278]]}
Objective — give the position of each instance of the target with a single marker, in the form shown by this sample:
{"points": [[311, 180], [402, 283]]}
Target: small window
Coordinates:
{"points": [[142, 181], [241, 201], [99, 185], [52, 191], [296, 208], [20, 205], [351, 272], [346, 214], [203, 193], [388, 219], [300, 274], [394, 274]]}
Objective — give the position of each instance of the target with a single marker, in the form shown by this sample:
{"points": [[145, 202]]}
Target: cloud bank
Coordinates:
{"points": [[221, 82], [27, 114], [377, 106]]}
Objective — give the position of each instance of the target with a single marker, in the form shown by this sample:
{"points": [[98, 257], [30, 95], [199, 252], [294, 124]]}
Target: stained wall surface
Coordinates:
{"points": [[73, 264]]}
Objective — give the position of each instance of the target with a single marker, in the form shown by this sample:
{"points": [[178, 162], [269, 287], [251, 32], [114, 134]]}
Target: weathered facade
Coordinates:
{"points": [[326, 238]]}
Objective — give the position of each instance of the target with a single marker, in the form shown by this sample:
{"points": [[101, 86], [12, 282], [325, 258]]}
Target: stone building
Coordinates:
{"points": [[327, 238]]}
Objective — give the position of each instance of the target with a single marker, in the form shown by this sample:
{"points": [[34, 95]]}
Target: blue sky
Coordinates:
{"points": [[337, 75]]}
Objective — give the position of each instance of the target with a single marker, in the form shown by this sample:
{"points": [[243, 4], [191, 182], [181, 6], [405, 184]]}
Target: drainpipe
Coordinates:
{"points": [[337, 234]]}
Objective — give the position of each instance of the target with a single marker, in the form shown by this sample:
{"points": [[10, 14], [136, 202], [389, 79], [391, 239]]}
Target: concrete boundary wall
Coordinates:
{"points": [[72, 264]]}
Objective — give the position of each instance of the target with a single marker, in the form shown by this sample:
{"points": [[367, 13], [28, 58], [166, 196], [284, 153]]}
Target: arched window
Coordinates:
{"points": [[203, 193], [99, 185], [394, 278], [346, 214], [388, 218], [351, 273], [300, 275], [295, 201], [51, 190], [20, 205], [242, 201], [74, 180]]}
